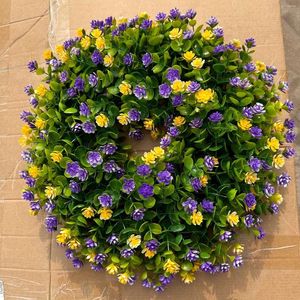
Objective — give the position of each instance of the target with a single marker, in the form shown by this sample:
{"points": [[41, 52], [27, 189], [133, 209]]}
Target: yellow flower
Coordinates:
{"points": [[238, 249], [187, 277], [66, 232], [105, 213], [233, 218], [123, 119], [196, 266], [260, 66], [112, 269], [216, 161], [88, 212], [91, 257], [59, 49], [47, 54], [33, 171], [237, 43], [125, 88], [178, 86], [207, 35], [26, 130], [79, 32], [122, 20], [63, 236], [100, 43], [278, 161], [144, 14], [41, 90], [197, 63], [23, 140], [158, 152], [204, 180], [171, 266], [108, 60], [196, 217], [32, 212], [96, 32], [178, 121], [40, 123], [85, 42], [277, 198], [134, 241], [62, 54], [102, 120], [56, 156], [203, 96], [175, 33], [149, 124], [278, 126], [123, 278], [148, 158], [251, 177], [74, 244], [189, 56], [154, 134], [244, 124], [148, 253], [273, 144], [50, 192]]}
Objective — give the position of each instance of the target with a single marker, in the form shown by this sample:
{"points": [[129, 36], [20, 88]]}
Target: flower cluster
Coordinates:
{"points": [[177, 208]]}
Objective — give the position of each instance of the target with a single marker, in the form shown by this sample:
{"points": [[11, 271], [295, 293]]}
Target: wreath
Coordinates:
{"points": [[177, 208]]}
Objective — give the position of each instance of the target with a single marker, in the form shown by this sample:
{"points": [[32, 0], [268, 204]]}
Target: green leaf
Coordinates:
{"points": [[155, 228], [188, 163], [157, 68], [71, 110], [231, 194], [204, 255], [187, 266], [156, 40], [176, 228], [219, 68], [149, 203]]}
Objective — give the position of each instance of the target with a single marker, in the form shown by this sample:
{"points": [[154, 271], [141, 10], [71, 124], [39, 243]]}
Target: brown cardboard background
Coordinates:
{"points": [[32, 266]]}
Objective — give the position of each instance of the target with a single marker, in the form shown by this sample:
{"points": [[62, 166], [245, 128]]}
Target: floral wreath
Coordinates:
{"points": [[178, 207]]}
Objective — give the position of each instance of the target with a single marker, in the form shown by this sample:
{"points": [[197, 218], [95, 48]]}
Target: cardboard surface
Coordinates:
{"points": [[32, 266]]}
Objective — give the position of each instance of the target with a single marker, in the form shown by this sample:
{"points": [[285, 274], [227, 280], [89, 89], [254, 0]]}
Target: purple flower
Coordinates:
{"points": [[258, 109], [71, 92], [108, 21], [255, 164], [99, 24], [289, 104], [105, 200], [245, 83], [146, 283], [26, 156], [69, 254], [290, 136], [28, 195], [69, 43], [126, 253], [84, 109], [226, 236], [115, 32], [30, 181], [35, 205], [164, 177], [193, 87], [138, 214], [177, 100], [207, 267], [33, 101], [110, 167], [268, 189], [93, 80], [209, 162], [88, 127], [51, 223], [113, 239], [165, 90], [132, 22], [247, 112], [94, 158], [274, 208], [143, 170], [96, 57], [173, 131], [55, 63], [82, 174], [250, 67], [283, 86], [146, 24], [235, 81], [28, 89], [212, 21], [128, 59], [261, 234], [271, 70], [191, 14], [77, 263], [250, 43], [74, 187], [188, 34], [152, 245], [224, 267], [215, 117], [109, 149], [219, 49], [139, 91], [289, 152], [136, 134], [196, 184], [72, 168], [23, 174], [256, 132], [32, 65], [249, 221], [63, 77], [128, 186], [250, 200], [208, 206], [122, 27], [218, 32], [75, 51], [237, 262], [196, 123], [90, 243], [284, 179], [146, 59], [79, 84], [161, 16], [172, 74], [165, 141], [146, 190], [267, 77], [289, 123], [190, 205], [192, 255], [96, 267], [49, 206], [265, 165], [101, 257], [165, 279]]}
